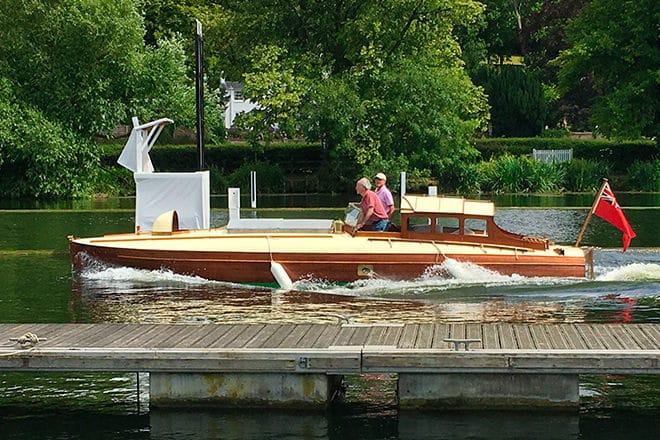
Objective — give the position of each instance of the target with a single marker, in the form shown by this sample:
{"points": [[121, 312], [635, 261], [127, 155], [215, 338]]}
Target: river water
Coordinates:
{"points": [[36, 285]]}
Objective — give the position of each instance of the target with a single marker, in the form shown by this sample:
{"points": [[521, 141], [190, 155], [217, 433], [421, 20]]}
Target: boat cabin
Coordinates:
{"points": [[456, 219]]}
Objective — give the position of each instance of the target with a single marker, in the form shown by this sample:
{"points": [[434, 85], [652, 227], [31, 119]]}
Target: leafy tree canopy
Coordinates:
{"points": [[614, 47], [83, 62], [369, 78]]}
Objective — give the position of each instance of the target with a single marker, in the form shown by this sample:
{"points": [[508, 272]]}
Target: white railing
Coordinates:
{"points": [[553, 156]]}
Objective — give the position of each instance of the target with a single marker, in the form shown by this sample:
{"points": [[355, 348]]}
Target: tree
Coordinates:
{"points": [[370, 79], [516, 99], [83, 62], [613, 46]]}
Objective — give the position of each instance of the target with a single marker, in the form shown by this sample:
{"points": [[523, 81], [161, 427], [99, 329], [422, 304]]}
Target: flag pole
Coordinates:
{"points": [[591, 211]]}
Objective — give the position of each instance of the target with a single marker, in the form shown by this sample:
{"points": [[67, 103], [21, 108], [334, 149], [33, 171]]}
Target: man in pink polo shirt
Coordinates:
{"points": [[371, 209], [384, 194]]}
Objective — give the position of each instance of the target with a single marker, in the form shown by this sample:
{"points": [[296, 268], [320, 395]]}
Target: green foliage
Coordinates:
{"points": [[83, 63], [644, 176], [270, 177], [585, 175], [516, 98], [279, 92], [511, 174], [619, 154], [294, 167], [39, 158], [71, 59], [368, 79], [614, 46]]}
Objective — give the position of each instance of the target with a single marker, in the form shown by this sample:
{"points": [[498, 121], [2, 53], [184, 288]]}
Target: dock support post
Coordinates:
{"points": [[488, 390], [272, 390]]}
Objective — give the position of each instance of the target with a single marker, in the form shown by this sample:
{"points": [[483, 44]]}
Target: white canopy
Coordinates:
{"points": [[155, 193]]}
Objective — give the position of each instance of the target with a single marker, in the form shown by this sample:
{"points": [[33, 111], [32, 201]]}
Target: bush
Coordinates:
{"points": [[620, 154], [516, 99], [644, 176], [585, 175], [511, 174], [40, 158]]}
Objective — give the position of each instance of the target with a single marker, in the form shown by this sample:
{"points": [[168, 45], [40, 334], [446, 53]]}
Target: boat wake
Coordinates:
{"points": [[452, 276], [132, 278]]}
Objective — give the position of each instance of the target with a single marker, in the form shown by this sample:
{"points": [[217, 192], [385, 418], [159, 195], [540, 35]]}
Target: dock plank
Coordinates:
{"points": [[408, 336], [376, 335], [143, 337], [196, 333], [215, 332], [590, 338], [313, 334], [424, 336], [607, 337], [360, 335], [245, 337], [262, 338], [539, 337], [491, 339], [523, 336], [344, 335], [293, 339], [327, 337], [440, 333], [234, 331], [556, 338], [507, 337], [643, 339], [113, 335], [573, 337], [393, 335]]}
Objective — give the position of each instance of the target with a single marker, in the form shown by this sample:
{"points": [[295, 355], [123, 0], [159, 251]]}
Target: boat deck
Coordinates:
{"points": [[333, 348]]}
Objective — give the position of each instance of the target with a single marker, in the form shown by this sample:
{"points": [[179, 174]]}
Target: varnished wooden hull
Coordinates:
{"points": [[336, 259]]}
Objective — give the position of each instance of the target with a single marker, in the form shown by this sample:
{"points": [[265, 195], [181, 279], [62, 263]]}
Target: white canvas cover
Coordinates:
{"points": [[187, 193], [155, 193]]}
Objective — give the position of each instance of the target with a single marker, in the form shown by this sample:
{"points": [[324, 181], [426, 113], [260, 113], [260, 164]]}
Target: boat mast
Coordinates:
{"points": [[199, 88], [591, 211]]}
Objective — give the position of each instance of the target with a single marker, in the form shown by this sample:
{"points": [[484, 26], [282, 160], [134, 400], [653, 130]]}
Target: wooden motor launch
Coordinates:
{"points": [[172, 232]]}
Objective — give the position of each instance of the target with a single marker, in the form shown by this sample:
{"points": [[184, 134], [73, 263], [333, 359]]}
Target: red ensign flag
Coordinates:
{"points": [[609, 210]]}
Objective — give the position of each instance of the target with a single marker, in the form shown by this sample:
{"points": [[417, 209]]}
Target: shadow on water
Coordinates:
{"points": [[180, 424]]}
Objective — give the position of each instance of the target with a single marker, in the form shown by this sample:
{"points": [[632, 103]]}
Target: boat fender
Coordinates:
{"points": [[280, 275]]}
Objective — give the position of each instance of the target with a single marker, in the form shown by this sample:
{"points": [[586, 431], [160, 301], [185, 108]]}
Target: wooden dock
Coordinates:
{"points": [[333, 349], [323, 349]]}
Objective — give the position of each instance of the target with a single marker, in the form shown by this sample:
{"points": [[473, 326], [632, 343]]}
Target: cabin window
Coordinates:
{"points": [[419, 224], [475, 226], [447, 225]]}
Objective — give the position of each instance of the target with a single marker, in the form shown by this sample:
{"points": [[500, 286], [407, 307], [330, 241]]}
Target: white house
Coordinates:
{"points": [[236, 103]]}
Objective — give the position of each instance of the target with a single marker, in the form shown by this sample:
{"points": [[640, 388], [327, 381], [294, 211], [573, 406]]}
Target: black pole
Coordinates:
{"points": [[199, 88]]}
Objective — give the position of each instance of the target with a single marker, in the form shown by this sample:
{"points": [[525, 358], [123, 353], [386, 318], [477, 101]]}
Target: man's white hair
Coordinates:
{"points": [[365, 183]]}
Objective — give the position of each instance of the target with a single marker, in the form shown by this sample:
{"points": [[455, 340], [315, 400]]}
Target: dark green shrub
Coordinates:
{"points": [[644, 176], [585, 175], [509, 174], [620, 154], [516, 99], [270, 177]]}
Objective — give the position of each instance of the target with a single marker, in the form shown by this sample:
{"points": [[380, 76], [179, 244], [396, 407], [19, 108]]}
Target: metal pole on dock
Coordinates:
{"points": [[253, 189]]}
